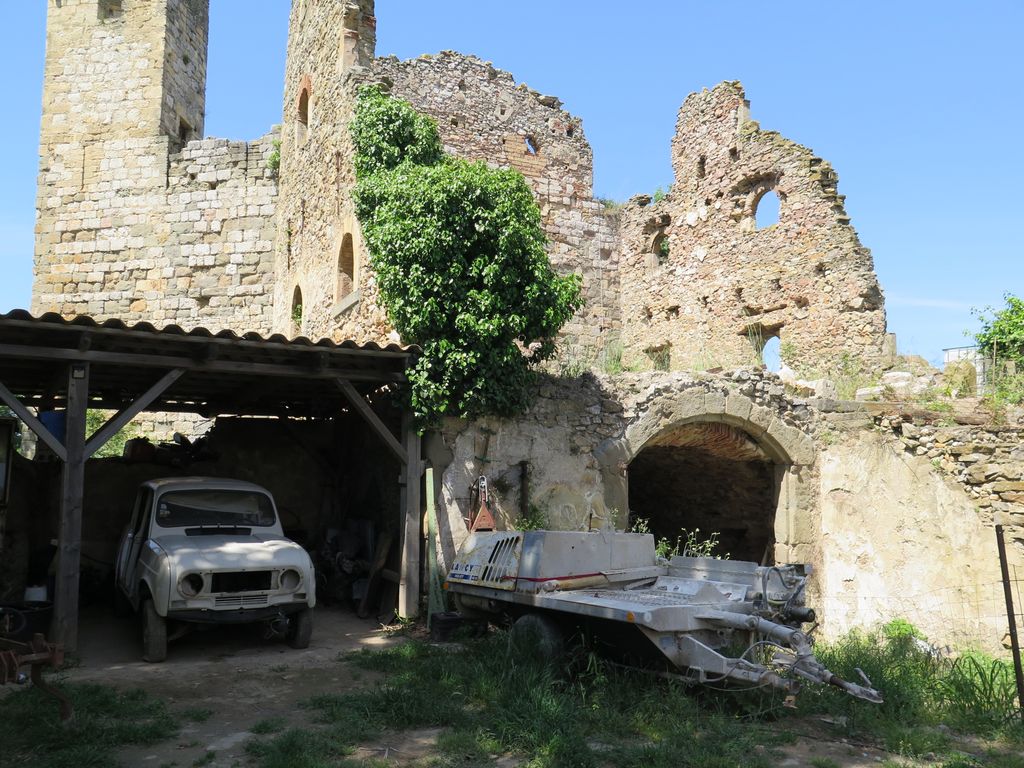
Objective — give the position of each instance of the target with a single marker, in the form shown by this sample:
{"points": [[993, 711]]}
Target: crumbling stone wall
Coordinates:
{"points": [[890, 530], [702, 287], [137, 219], [324, 285]]}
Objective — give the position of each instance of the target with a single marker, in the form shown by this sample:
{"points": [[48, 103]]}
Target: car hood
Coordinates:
{"points": [[233, 552]]}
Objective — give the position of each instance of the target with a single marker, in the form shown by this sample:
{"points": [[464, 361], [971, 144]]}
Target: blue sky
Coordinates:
{"points": [[915, 104]]}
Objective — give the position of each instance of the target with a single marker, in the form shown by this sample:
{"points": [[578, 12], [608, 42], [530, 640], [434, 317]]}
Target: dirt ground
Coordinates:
{"points": [[244, 678], [233, 671]]}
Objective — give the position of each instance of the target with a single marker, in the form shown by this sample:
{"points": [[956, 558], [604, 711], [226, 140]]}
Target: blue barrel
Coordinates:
{"points": [[56, 423]]}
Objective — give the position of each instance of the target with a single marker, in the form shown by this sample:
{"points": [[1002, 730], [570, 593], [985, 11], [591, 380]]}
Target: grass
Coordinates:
{"points": [[105, 719], [492, 700], [197, 714], [268, 725], [970, 694]]}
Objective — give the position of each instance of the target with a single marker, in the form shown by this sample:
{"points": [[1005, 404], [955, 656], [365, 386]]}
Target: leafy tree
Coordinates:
{"points": [[1002, 334], [459, 255], [94, 421]]}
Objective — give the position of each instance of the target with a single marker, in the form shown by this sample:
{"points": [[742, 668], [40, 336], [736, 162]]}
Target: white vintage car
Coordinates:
{"points": [[208, 550]]}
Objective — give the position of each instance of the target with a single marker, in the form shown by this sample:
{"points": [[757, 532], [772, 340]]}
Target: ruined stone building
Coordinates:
{"points": [[143, 218]]}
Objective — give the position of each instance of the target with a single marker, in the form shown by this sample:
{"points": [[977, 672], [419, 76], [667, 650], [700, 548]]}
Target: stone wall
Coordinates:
{"points": [[483, 114], [703, 287], [900, 539], [329, 45], [135, 220], [891, 532]]}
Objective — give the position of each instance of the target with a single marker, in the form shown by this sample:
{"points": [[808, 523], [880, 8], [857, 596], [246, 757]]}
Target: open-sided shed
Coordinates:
{"points": [[52, 363]]}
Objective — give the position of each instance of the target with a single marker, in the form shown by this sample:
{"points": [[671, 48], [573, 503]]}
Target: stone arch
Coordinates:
{"points": [[789, 450]]}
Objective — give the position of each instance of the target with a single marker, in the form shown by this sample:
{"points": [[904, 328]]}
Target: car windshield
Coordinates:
{"points": [[214, 507]]}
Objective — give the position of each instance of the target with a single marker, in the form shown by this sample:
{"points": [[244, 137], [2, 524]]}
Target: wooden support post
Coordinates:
{"points": [[65, 617], [412, 523]]}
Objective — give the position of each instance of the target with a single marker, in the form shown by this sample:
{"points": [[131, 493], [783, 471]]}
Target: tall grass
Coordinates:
{"points": [[970, 693]]}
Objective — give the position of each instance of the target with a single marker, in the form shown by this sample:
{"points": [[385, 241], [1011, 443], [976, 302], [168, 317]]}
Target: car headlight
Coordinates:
{"points": [[191, 584], [290, 580]]}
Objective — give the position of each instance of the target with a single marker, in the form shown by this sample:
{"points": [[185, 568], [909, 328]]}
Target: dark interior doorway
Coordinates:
{"points": [[710, 476]]}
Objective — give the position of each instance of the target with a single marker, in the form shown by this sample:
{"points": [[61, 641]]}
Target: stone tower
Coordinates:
{"points": [[139, 216], [124, 87], [318, 267]]}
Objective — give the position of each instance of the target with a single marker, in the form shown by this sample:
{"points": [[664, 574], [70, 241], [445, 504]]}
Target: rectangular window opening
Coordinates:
{"points": [[110, 9]]}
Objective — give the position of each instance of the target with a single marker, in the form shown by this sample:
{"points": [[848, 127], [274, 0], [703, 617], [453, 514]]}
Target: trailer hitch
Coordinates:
{"points": [[796, 653]]}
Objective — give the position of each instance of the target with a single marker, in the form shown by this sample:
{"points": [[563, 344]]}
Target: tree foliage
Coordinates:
{"points": [[1002, 334], [459, 256]]}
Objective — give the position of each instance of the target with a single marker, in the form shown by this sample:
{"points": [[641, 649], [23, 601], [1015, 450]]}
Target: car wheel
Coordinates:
{"points": [[300, 628], [122, 606], [154, 634]]}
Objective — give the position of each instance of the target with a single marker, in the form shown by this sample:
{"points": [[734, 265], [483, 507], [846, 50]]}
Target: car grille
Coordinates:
{"points": [[240, 601], [240, 581]]}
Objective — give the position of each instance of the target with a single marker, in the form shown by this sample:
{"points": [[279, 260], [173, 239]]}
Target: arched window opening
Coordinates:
{"points": [[531, 146], [702, 167], [302, 126], [766, 209], [296, 316], [346, 268]]}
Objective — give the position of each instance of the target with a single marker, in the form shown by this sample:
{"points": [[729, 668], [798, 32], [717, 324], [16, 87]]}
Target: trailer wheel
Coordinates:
{"points": [[535, 633]]}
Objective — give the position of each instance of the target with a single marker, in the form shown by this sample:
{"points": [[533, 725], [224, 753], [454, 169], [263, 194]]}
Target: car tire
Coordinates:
{"points": [[300, 628], [154, 634], [122, 606]]}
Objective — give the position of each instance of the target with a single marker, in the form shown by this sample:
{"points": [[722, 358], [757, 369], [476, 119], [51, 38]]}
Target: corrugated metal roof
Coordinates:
{"points": [[86, 321], [225, 373]]}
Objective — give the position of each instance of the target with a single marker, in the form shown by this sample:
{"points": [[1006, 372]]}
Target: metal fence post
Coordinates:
{"points": [[1011, 617]]}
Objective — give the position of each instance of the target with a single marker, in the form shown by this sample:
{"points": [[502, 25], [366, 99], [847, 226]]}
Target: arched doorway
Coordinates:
{"points": [[709, 476], [757, 460]]}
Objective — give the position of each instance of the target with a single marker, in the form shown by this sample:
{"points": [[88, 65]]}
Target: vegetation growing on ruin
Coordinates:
{"points": [[1002, 331], [460, 262], [1001, 340], [274, 158]]}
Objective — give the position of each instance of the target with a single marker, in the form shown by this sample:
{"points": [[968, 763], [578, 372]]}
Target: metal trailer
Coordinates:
{"points": [[690, 609]]}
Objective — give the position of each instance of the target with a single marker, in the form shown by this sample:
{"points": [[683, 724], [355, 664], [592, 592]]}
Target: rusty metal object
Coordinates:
{"points": [[36, 653]]}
